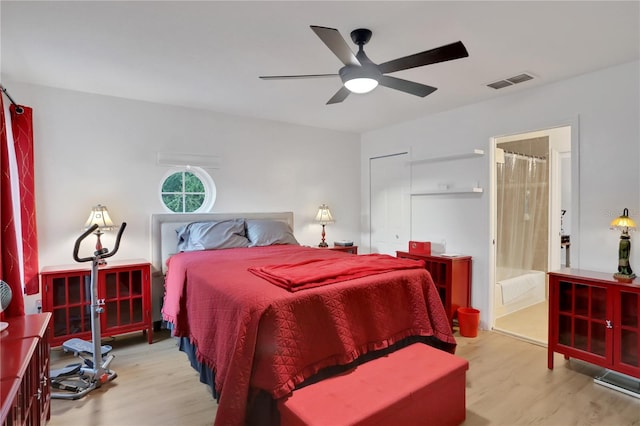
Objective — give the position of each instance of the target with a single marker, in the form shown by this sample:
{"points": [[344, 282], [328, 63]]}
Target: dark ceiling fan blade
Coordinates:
{"points": [[290, 77], [439, 54], [406, 86], [340, 96], [334, 41]]}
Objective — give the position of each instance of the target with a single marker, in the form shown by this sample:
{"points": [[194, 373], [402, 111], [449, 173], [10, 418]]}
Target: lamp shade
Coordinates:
{"points": [[100, 216], [324, 215], [623, 222]]}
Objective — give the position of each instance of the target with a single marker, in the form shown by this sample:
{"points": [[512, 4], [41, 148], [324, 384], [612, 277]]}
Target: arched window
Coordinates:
{"points": [[188, 190]]}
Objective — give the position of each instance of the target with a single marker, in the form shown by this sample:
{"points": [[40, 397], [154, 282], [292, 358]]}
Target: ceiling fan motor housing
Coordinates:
{"points": [[350, 72], [361, 36]]}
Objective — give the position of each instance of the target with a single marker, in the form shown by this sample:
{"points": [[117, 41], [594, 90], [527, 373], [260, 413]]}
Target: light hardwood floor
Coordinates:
{"points": [[508, 383]]}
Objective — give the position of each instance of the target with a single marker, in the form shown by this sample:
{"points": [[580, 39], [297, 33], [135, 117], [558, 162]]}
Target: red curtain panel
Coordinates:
{"points": [[14, 229], [22, 125]]}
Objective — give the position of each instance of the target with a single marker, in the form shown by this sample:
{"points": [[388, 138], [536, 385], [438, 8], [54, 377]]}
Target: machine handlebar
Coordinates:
{"points": [[98, 254]]}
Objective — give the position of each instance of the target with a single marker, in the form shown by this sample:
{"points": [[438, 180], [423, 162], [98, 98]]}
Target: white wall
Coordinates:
{"points": [[606, 104], [92, 149]]}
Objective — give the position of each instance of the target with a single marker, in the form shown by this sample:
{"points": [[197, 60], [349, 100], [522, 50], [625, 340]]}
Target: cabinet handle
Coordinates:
{"points": [[608, 322], [39, 394]]}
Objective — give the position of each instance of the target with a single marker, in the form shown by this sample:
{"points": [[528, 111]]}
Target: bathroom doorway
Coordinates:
{"points": [[532, 195]]}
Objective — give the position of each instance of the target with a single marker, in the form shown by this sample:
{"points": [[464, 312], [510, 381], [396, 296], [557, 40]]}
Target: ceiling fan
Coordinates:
{"points": [[361, 75]]}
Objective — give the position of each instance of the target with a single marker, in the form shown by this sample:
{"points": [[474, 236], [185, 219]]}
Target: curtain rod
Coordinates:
{"points": [[537, 157], [19, 109]]}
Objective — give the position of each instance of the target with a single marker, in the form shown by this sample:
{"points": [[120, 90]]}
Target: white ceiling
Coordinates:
{"points": [[209, 54]]}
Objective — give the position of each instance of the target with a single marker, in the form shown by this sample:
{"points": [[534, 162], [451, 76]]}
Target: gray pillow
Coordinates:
{"points": [[212, 235], [264, 232]]}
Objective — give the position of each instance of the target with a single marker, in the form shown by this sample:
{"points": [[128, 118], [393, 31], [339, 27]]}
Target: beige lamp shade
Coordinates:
{"points": [[100, 216], [324, 215]]}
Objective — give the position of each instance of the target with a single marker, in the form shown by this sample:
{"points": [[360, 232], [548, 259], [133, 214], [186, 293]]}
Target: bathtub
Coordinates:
{"points": [[517, 289]]}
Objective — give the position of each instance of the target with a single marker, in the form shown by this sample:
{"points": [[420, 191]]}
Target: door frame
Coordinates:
{"points": [[574, 124]]}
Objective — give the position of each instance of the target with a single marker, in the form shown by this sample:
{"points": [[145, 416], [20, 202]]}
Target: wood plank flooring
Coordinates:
{"points": [[508, 383]]}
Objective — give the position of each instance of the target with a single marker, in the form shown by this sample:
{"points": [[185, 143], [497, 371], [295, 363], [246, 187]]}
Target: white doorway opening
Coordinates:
{"points": [[519, 283]]}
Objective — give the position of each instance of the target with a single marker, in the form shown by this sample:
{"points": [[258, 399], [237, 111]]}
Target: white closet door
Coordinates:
{"points": [[390, 210]]}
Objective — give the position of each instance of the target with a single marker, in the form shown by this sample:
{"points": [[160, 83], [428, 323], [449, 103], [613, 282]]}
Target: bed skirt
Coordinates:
{"points": [[263, 409]]}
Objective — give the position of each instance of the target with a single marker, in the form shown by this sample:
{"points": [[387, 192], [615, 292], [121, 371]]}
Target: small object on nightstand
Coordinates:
{"points": [[343, 243], [420, 247]]}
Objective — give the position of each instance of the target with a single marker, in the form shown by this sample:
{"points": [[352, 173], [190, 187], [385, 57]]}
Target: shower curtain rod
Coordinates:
{"points": [[19, 109], [525, 155]]}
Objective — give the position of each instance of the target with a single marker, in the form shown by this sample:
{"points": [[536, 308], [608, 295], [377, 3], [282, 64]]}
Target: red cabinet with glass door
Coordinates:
{"points": [[595, 318], [123, 286]]}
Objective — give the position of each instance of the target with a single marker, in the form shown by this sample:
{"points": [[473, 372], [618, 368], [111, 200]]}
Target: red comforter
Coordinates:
{"points": [[258, 336]]}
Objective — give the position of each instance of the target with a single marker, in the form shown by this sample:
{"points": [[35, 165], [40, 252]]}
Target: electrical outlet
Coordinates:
{"points": [[39, 305]]}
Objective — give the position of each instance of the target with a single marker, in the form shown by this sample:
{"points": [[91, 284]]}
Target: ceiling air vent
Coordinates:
{"points": [[500, 84], [520, 78]]}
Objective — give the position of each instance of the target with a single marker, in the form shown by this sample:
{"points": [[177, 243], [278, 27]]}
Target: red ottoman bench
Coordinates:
{"points": [[416, 385]]}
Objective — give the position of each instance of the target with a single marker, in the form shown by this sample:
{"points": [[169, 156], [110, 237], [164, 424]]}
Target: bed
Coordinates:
{"points": [[264, 316]]}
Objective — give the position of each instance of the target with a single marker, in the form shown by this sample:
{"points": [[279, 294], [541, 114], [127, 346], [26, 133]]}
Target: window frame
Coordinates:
{"points": [[210, 191]]}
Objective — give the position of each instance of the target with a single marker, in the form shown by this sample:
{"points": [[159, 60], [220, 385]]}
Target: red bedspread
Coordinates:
{"points": [[257, 336]]}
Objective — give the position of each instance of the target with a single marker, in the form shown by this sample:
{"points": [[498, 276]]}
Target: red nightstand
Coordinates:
{"points": [[452, 277], [345, 249]]}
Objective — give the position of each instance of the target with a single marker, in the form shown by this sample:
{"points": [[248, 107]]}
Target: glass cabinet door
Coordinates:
{"points": [[70, 303], [123, 291], [582, 322], [629, 328]]}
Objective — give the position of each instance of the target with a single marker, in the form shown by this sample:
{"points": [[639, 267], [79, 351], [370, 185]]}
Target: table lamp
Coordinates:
{"points": [[624, 223], [100, 216], [324, 217]]}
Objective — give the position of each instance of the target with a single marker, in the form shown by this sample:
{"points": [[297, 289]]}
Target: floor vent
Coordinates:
{"points": [[520, 78]]}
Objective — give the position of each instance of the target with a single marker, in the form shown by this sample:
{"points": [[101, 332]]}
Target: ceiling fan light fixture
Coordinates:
{"points": [[360, 79], [361, 85], [361, 75]]}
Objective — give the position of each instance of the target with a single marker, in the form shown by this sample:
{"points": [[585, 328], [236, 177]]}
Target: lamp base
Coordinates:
{"points": [[99, 250], [323, 243], [625, 278]]}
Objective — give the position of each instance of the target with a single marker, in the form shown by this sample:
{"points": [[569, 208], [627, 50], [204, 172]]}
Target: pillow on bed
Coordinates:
{"points": [[264, 232], [212, 235]]}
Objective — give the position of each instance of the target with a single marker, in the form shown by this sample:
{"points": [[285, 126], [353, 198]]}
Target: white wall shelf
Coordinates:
{"points": [[473, 154], [474, 190]]}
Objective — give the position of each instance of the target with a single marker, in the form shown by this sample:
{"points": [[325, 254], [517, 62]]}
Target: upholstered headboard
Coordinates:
{"points": [[163, 230]]}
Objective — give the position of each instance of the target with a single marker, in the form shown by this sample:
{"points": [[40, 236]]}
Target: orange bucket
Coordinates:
{"points": [[468, 320]]}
